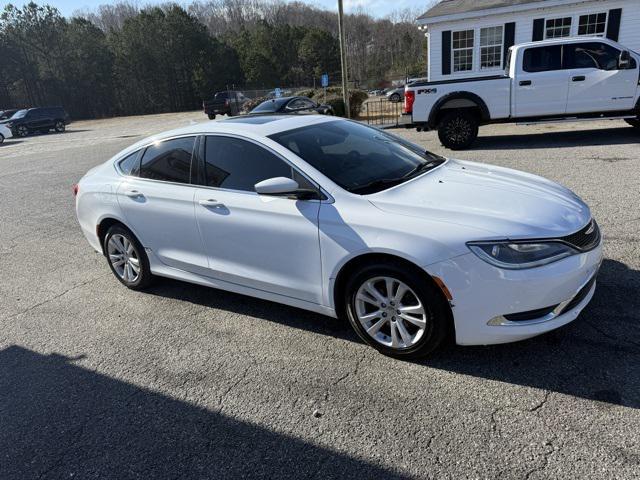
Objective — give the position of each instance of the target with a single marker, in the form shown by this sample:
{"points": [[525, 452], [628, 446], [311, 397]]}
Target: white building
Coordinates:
{"points": [[469, 38]]}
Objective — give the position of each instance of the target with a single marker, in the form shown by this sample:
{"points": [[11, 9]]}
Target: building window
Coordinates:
{"points": [[463, 51], [558, 27], [491, 47], [594, 24]]}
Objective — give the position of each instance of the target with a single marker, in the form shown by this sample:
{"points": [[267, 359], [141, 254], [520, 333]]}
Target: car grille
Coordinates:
{"points": [[586, 239]]}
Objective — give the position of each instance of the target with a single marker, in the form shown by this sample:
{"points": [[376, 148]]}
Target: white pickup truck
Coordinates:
{"points": [[566, 79]]}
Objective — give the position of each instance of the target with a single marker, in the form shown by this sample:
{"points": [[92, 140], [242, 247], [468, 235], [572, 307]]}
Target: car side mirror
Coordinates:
{"points": [[625, 60], [286, 187], [277, 186]]}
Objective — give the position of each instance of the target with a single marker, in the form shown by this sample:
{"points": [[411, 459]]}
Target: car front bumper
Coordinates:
{"points": [[485, 297]]}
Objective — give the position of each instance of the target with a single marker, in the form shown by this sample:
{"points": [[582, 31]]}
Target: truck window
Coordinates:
{"points": [[591, 55], [542, 59]]}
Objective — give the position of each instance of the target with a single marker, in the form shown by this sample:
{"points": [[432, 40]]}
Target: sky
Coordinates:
{"points": [[376, 8]]}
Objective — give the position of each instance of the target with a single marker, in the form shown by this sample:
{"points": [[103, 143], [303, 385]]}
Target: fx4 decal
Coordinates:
{"points": [[427, 90]]}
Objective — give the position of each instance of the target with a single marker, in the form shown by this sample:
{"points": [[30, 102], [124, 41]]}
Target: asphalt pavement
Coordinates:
{"points": [[183, 381]]}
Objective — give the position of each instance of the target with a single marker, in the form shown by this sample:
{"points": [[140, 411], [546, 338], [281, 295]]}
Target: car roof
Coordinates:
{"points": [[259, 125], [565, 40]]}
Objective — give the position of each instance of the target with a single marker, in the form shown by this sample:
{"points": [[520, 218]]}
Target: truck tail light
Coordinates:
{"points": [[409, 97], [75, 189]]}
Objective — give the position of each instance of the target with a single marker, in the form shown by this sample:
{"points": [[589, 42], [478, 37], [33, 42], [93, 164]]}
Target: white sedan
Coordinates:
{"points": [[342, 219], [5, 133]]}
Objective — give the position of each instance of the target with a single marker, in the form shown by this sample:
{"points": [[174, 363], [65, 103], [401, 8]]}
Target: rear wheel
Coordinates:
{"points": [[127, 258], [60, 126], [211, 116], [398, 311], [634, 122], [458, 130], [395, 97], [1, 138]]}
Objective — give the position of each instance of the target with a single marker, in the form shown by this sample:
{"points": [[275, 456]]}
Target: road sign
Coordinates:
{"points": [[278, 93], [325, 79]]}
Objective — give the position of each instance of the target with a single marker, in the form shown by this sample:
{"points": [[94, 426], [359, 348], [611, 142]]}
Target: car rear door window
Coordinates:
{"points": [[238, 164], [169, 161], [542, 59]]}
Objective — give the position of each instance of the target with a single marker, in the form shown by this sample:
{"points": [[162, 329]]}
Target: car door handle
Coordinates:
{"points": [[210, 203], [133, 193], [579, 78], [525, 83]]}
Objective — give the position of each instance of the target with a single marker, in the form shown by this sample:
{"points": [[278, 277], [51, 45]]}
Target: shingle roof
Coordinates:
{"points": [[451, 7]]}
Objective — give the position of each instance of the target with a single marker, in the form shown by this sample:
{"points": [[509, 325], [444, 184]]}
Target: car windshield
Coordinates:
{"points": [[360, 159], [268, 106], [20, 114]]}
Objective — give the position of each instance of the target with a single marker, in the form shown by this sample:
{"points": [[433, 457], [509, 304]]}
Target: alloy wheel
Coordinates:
{"points": [[22, 131], [59, 127], [123, 258], [390, 312], [458, 130]]}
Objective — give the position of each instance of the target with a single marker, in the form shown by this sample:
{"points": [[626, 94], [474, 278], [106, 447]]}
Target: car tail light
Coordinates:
{"points": [[75, 189], [409, 97]]}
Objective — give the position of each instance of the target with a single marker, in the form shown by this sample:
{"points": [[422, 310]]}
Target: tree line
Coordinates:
{"points": [[121, 59]]}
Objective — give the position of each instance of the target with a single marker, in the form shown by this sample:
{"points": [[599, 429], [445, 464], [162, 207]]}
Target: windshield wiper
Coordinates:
{"points": [[423, 167], [377, 185]]}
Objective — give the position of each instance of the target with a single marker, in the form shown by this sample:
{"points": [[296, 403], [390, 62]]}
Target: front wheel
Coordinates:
{"points": [[60, 126], [127, 258], [634, 122], [458, 130], [398, 311], [22, 131], [212, 116], [1, 138]]}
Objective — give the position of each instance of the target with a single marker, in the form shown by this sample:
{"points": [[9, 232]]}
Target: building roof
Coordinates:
{"points": [[452, 7]]}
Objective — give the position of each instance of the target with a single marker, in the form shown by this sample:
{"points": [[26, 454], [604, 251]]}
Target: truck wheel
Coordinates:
{"points": [[634, 122], [458, 130], [212, 116]]}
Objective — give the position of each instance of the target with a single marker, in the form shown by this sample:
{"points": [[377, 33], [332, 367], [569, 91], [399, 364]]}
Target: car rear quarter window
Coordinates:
{"points": [[169, 160], [130, 165], [238, 164], [542, 59]]}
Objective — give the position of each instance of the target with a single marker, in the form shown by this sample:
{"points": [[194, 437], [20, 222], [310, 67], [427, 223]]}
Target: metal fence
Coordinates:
{"points": [[381, 112]]}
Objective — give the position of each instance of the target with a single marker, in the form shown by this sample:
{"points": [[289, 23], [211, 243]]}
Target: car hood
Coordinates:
{"points": [[504, 203]]}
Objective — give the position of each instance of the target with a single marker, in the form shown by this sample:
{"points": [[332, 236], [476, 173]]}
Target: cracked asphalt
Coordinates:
{"points": [[182, 381]]}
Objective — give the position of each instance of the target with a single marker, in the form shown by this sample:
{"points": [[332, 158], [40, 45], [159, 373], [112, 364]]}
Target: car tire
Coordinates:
{"points": [[458, 130], [395, 98], [211, 116], [1, 138], [22, 131], [60, 126], [127, 258], [376, 320], [634, 122]]}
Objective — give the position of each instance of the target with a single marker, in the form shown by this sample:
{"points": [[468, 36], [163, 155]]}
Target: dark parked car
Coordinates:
{"points": [[292, 105], [42, 119], [7, 114], [228, 102]]}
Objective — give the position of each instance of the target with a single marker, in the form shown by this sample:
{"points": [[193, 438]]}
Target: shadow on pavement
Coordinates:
{"points": [[572, 138], [595, 357], [59, 420]]}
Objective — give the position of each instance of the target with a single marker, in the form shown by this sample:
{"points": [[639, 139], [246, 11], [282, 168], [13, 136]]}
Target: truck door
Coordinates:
{"points": [[596, 82], [540, 84]]}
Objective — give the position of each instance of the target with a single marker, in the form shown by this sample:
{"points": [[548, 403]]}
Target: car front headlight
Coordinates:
{"points": [[8, 125], [519, 255]]}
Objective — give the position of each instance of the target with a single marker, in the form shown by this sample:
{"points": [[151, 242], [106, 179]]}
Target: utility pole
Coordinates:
{"points": [[343, 60]]}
